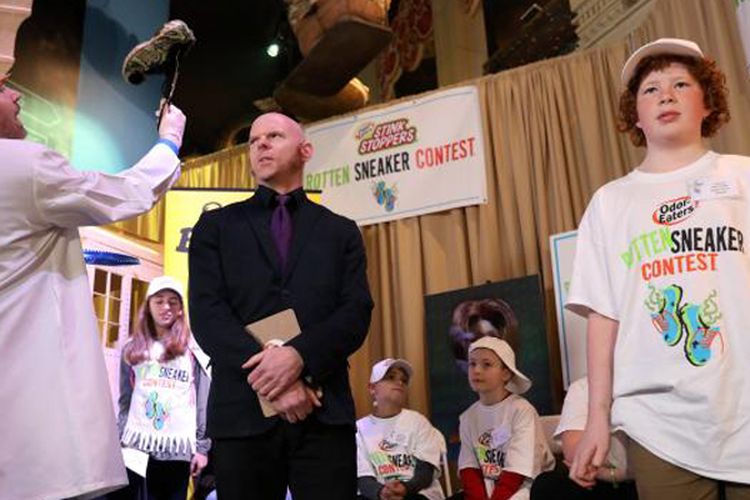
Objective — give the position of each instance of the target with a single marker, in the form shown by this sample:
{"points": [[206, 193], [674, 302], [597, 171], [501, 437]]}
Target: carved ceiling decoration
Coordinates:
{"points": [[412, 32]]}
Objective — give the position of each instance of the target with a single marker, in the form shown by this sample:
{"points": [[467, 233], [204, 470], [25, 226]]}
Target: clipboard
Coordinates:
{"points": [[273, 330]]}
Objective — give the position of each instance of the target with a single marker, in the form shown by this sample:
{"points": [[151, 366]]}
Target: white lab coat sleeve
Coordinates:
{"points": [[66, 197]]}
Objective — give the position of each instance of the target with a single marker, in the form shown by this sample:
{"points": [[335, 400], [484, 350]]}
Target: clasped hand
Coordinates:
{"points": [[273, 370], [296, 403], [590, 455], [275, 376], [393, 490]]}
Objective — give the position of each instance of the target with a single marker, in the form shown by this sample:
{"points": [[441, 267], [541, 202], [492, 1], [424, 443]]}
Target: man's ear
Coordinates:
{"points": [[306, 150]]}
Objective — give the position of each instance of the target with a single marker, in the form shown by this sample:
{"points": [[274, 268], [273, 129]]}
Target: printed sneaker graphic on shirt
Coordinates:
{"points": [[491, 459], [156, 411], [695, 323], [702, 331], [667, 320]]}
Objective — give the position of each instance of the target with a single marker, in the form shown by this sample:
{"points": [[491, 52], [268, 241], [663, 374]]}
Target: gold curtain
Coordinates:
{"points": [[227, 168], [551, 142]]}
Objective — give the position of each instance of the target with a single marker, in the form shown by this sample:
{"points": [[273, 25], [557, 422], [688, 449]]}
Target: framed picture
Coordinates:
{"points": [[512, 310]]}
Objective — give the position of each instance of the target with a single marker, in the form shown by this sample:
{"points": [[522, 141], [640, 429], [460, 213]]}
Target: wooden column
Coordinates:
{"points": [[12, 14], [460, 41]]}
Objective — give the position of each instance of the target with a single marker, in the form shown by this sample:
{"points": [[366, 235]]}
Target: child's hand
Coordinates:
{"points": [[590, 454], [197, 464], [393, 490]]}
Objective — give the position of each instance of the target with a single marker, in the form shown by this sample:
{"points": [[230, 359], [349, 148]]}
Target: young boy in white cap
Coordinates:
{"points": [[667, 332], [503, 447], [398, 450]]}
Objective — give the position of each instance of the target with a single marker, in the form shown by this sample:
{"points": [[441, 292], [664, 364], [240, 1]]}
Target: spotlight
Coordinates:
{"points": [[273, 50]]}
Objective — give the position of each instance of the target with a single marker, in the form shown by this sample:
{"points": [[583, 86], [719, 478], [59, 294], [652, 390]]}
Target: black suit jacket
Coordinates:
{"points": [[235, 279]]}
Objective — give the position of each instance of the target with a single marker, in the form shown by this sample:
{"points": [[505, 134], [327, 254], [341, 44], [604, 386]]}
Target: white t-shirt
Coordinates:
{"points": [[162, 414], [664, 255], [573, 418], [388, 448], [504, 436]]}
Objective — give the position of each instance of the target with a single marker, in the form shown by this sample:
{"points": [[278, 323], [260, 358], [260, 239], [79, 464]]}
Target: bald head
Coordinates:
{"points": [[294, 129], [278, 152]]}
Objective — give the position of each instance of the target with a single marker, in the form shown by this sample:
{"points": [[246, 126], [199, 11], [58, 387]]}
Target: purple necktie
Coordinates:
{"points": [[281, 228]]}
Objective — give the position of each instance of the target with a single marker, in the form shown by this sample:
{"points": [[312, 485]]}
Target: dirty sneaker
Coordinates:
{"points": [[152, 55]]}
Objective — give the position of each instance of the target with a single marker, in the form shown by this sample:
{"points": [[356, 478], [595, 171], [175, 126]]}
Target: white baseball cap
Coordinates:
{"points": [[380, 368], [672, 46], [165, 283], [519, 383]]}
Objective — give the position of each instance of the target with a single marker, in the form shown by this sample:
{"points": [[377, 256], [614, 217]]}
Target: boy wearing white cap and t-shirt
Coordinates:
{"points": [[661, 274], [503, 447], [398, 450]]}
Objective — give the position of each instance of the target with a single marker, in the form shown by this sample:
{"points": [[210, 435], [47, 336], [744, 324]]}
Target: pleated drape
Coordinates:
{"points": [[551, 141]]}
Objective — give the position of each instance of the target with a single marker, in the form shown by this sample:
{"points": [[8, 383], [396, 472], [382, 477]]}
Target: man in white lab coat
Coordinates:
{"points": [[58, 437]]}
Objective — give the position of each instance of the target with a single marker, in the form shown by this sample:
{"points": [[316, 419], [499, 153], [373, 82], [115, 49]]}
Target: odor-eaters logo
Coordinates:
{"points": [[374, 137], [674, 211], [387, 445]]}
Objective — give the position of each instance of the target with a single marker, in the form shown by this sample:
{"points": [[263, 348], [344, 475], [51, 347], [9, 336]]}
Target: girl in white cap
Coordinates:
{"points": [[398, 450], [667, 333], [503, 447], [163, 394]]}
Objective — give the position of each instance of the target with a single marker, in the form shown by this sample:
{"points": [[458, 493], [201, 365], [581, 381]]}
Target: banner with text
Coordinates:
{"points": [[412, 158]]}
